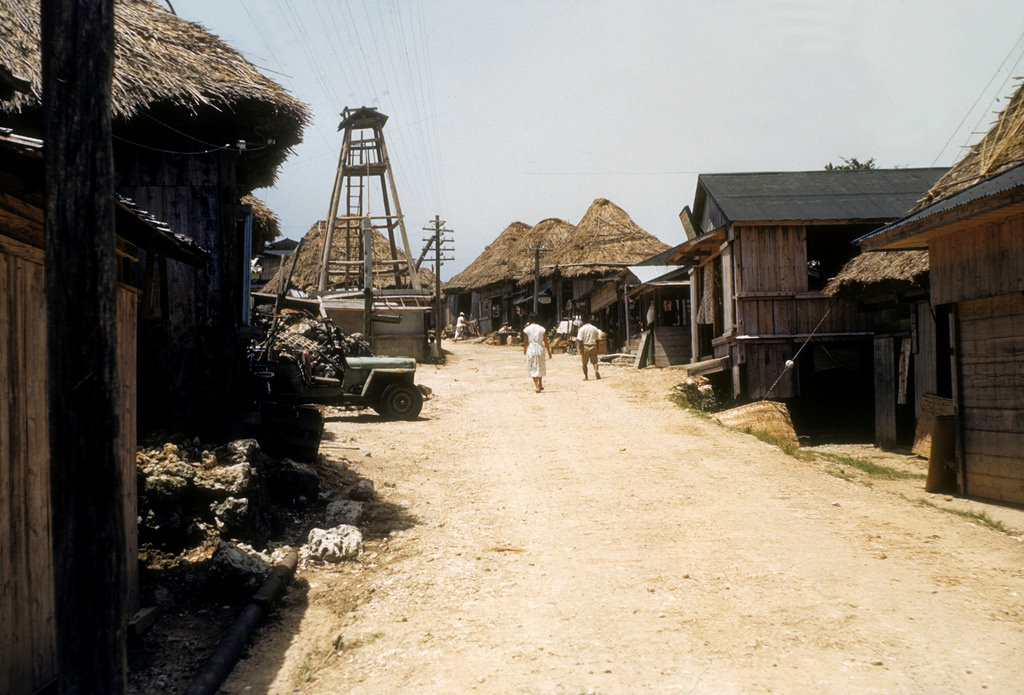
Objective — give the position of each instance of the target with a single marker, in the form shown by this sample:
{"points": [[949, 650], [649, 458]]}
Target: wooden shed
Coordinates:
{"points": [[911, 339], [762, 247], [972, 225], [27, 658], [183, 102], [196, 128]]}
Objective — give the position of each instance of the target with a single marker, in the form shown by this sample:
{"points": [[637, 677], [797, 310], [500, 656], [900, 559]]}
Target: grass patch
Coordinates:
{"points": [[979, 517], [312, 663], [872, 469], [787, 447]]}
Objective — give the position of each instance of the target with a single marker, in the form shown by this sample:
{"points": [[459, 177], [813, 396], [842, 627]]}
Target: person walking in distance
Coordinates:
{"points": [[588, 337], [535, 345], [460, 326]]}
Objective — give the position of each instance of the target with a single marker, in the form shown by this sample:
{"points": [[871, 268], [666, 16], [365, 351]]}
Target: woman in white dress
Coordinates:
{"points": [[535, 345]]}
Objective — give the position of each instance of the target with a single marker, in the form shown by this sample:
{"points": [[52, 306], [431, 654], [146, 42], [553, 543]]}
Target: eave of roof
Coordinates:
{"points": [[995, 197]]}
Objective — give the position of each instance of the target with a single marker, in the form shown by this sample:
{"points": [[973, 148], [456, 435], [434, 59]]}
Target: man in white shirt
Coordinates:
{"points": [[460, 326], [587, 337]]}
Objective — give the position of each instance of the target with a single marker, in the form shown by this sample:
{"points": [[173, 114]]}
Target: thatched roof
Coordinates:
{"points": [[881, 273], [550, 236], [511, 257], [171, 70], [1002, 148], [306, 276], [265, 224], [604, 241], [492, 262]]}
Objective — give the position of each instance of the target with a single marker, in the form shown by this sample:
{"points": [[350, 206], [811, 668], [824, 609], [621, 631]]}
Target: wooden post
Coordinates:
{"points": [[437, 284], [367, 227], [536, 278], [77, 38]]}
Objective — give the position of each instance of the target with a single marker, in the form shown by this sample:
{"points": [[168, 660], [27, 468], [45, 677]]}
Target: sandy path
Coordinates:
{"points": [[596, 538]]}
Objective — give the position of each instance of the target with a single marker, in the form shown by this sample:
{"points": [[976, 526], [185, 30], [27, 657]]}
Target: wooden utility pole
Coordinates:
{"points": [[536, 279], [367, 227], [88, 515], [438, 238]]}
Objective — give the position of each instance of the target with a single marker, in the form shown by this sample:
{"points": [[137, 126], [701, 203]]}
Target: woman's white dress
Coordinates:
{"points": [[535, 357]]}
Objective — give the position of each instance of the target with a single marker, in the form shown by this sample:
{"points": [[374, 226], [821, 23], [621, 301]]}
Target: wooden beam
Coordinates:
{"points": [[87, 486]]}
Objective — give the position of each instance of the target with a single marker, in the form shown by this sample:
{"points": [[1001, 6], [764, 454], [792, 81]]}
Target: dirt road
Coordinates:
{"points": [[596, 538]]}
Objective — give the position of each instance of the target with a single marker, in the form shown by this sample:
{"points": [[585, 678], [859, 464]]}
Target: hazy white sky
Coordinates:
{"points": [[520, 110]]}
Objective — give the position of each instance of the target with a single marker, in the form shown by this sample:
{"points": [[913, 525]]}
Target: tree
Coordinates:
{"points": [[851, 164]]}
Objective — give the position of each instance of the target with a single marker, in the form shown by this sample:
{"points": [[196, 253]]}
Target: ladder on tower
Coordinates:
{"points": [[363, 160]]}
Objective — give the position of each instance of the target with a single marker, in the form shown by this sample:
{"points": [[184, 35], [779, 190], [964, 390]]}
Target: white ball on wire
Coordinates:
{"points": [[789, 364]]}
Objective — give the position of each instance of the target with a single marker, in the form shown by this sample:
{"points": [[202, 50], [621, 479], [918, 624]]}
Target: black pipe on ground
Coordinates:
{"points": [[218, 667]]}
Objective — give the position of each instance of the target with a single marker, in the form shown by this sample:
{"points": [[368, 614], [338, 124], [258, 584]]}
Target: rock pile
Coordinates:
{"points": [[216, 505], [699, 393]]}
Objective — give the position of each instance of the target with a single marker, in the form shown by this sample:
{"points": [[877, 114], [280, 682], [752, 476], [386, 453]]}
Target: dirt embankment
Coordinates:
{"points": [[597, 538]]}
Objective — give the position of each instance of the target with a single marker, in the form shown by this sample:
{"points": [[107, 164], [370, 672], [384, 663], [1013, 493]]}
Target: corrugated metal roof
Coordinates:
{"points": [[1012, 178], [864, 194], [650, 273]]}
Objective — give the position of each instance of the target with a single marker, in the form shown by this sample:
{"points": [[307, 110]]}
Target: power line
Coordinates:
{"points": [[981, 94]]}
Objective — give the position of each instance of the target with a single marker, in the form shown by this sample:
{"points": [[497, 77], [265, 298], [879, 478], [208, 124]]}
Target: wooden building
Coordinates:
{"points": [[497, 288], [663, 294], [196, 128], [179, 95], [972, 225], [910, 338], [761, 247], [27, 656]]}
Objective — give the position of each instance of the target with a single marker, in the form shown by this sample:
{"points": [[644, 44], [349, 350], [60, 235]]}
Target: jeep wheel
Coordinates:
{"points": [[401, 402]]}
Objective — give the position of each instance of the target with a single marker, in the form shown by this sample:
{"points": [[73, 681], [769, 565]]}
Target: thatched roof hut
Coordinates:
{"points": [[174, 82], [492, 263], [306, 275], [550, 236], [604, 241], [511, 257], [1000, 149], [881, 273]]}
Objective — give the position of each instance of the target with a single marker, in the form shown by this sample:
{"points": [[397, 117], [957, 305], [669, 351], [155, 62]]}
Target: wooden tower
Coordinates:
{"points": [[363, 161]]}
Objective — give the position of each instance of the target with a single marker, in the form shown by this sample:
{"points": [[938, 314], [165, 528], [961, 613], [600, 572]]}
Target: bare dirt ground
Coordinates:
{"points": [[597, 538]]}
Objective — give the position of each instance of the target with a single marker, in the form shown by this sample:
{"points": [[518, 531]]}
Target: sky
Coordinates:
{"points": [[505, 111]]}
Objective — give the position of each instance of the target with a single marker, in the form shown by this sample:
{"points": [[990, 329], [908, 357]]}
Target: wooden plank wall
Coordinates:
{"points": [[771, 286], [191, 354], [991, 404], [985, 261], [762, 365], [886, 383], [27, 628], [926, 357], [771, 259], [792, 315], [671, 345], [127, 359]]}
